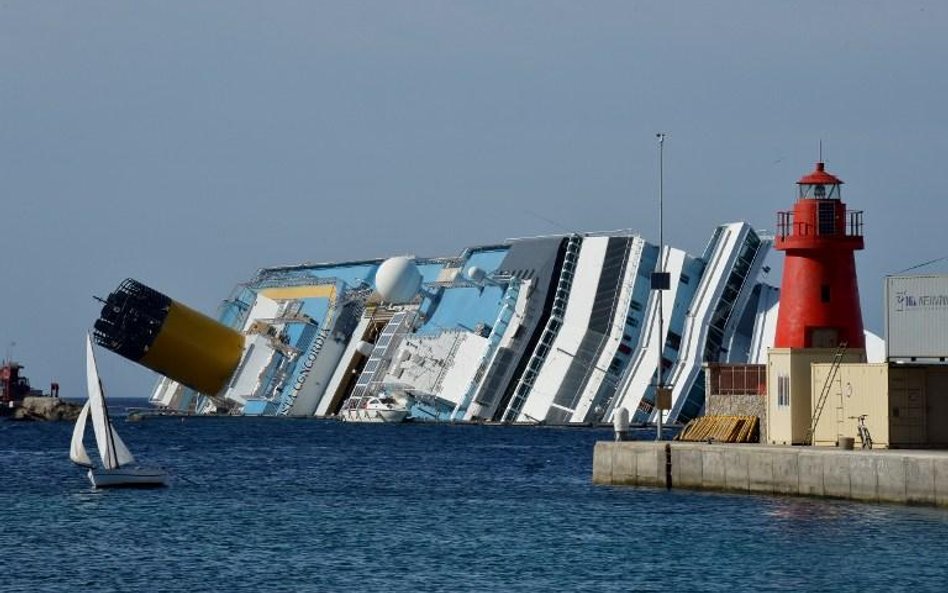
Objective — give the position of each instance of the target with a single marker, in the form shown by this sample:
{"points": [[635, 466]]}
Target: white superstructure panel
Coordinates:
{"points": [[318, 366], [263, 308], [421, 362], [875, 348], [516, 324], [342, 367], [467, 361], [167, 393], [709, 295], [575, 325], [765, 324], [696, 323], [617, 327], [640, 374], [245, 383]]}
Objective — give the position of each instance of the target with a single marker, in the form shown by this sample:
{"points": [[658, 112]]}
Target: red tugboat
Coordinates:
{"points": [[14, 388]]}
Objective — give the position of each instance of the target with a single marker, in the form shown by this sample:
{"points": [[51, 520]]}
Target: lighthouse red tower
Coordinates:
{"points": [[819, 294]]}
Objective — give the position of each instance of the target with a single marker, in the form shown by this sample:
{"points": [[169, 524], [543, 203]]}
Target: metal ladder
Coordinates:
{"points": [[824, 394]]}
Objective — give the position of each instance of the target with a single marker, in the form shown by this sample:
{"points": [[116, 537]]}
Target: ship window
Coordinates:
{"points": [[674, 340], [635, 305], [825, 293], [684, 279]]}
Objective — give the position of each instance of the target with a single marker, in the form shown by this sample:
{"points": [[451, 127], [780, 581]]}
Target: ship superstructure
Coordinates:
{"points": [[553, 329]]}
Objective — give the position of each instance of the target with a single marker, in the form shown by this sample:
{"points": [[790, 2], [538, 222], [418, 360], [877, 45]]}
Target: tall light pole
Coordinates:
{"points": [[660, 283]]}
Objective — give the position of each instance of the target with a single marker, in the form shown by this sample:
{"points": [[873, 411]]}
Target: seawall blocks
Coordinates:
{"points": [[900, 476]]}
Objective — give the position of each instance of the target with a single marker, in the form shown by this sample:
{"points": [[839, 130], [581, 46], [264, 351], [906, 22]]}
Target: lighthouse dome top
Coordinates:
{"points": [[819, 184]]}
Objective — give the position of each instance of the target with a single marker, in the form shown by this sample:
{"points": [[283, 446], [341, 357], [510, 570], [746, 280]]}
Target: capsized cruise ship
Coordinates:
{"points": [[554, 329]]}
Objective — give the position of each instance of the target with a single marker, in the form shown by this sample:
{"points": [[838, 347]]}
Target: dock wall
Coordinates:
{"points": [[908, 477]]}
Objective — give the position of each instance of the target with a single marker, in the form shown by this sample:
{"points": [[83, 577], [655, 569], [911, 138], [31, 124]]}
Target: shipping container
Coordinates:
{"points": [[903, 406], [852, 391], [916, 318], [789, 389]]}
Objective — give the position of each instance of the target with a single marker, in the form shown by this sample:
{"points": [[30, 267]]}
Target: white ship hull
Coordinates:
{"points": [[560, 329], [374, 415]]}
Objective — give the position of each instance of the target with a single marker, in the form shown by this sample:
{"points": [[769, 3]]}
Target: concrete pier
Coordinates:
{"points": [[900, 476]]}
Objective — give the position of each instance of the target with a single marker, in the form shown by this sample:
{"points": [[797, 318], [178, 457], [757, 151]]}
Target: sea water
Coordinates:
{"points": [[265, 504]]}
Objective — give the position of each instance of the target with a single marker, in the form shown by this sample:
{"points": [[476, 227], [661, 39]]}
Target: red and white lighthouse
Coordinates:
{"points": [[819, 293]]}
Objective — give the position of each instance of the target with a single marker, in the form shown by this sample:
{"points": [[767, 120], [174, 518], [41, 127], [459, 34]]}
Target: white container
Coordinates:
{"points": [[916, 318]]}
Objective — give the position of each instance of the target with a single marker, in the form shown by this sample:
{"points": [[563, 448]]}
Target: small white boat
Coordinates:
{"points": [[118, 464], [377, 409]]}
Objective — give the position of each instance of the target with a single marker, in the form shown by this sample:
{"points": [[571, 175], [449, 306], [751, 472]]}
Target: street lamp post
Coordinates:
{"points": [[660, 283]]}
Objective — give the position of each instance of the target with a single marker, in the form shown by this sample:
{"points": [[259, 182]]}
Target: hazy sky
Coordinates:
{"points": [[187, 144]]}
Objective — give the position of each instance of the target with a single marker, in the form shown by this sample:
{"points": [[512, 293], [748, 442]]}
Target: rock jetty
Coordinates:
{"points": [[46, 408]]}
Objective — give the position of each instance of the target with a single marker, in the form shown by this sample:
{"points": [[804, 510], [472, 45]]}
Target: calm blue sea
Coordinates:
{"points": [[304, 505]]}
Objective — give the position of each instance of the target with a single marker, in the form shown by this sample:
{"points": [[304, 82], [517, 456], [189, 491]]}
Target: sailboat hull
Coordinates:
{"points": [[128, 477]]}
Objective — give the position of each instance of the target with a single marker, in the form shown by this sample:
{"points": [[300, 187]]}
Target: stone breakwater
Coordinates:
{"points": [[46, 408], [900, 476]]}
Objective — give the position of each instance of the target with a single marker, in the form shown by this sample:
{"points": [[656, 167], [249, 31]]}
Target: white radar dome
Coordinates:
{"points": [[398, 280], [476, 274]]}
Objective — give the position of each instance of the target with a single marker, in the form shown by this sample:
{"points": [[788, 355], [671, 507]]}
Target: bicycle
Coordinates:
{"points": [[863, 431]]}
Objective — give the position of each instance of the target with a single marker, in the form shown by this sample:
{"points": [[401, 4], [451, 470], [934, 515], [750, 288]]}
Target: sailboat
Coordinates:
{"points": [[118, 465]]}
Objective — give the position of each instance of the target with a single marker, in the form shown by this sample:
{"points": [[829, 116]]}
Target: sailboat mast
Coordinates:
{"points": [[108, 422]]}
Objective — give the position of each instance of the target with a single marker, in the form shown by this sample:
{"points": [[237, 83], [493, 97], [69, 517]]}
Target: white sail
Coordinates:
{"points": [[122, 454], [77, 451], [112, 450]]}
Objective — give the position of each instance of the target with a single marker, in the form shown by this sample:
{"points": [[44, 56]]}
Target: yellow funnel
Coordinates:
{"points": [[149, 328]]}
